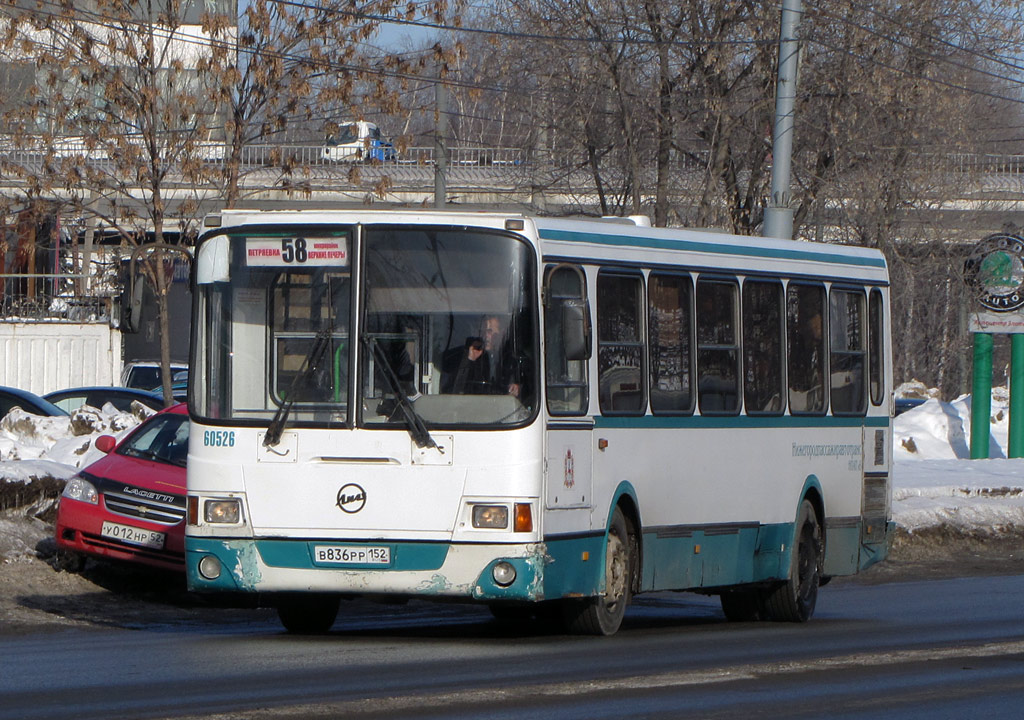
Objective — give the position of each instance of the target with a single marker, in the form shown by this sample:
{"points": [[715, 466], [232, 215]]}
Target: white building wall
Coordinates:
{"points": [[43, 357]]}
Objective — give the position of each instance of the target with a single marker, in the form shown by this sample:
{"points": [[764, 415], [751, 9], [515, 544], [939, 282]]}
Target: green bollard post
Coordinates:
{"points": [[981, 396], [1016, 439]]}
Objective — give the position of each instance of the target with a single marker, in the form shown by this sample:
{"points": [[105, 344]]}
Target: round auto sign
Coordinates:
{"points": [[995, 272]]}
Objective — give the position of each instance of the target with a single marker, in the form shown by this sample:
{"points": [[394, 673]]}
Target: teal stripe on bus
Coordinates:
{"points": [[707, 247], [735, 422]]}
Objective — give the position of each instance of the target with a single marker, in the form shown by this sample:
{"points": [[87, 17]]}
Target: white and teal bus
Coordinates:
{"points": [[547, 416]]}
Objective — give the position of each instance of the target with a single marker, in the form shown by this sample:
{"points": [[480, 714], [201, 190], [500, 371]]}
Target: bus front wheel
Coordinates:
{"points": [[308, 614], [602, 615], [743, 605], [794, 600]]}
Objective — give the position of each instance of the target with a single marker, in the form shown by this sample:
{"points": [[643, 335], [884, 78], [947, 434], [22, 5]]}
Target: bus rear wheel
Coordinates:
{"points": [[602, 615], [308, 614], [794, 600]]}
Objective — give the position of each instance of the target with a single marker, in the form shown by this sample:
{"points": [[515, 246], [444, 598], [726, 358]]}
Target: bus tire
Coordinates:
{"points": [[308, 614], [602, 614], [516, 613], [742, 605], [794, 600]]}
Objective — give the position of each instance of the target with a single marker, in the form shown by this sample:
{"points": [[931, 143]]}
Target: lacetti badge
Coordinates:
{"points": [[995, 272], [351, 498]]}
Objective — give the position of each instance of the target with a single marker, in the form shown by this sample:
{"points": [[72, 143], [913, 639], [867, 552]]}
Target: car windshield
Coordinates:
{"points": [[144, 377], [163, 438]]}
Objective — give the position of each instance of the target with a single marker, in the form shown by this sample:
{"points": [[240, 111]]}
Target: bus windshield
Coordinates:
{"points": [[447, 335], [449, 326]]}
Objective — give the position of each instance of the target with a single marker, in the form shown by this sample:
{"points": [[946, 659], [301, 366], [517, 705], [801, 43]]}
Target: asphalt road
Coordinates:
{"points": [[949, 648]]}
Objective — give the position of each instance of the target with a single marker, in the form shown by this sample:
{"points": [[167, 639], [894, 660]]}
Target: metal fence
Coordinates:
{"points": [[55, 308], [269, 155], [50, 297]]}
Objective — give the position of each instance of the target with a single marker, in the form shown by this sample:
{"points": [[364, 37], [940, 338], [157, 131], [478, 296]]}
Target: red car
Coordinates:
{"points": [[130, 505]]}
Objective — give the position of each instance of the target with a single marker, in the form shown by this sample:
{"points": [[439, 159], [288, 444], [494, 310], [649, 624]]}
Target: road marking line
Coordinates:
{"points": [[682, 678]]}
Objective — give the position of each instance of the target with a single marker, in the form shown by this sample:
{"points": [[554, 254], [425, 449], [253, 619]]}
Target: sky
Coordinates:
{"points": [[934, 481]]}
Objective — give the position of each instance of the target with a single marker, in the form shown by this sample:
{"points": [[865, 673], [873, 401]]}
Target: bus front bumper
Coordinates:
{"points": [[477, 572]]}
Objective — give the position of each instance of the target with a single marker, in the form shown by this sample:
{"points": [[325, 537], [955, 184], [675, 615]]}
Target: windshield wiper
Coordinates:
{"points": [[321, 342], [413, 422]]}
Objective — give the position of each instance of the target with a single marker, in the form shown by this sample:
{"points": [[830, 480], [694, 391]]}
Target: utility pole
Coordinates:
{"points": [[778, 216], [440, 142]]}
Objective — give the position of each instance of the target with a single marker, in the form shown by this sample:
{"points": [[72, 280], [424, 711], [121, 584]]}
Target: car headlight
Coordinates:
{"points": [[78, 488], [225, 512]]}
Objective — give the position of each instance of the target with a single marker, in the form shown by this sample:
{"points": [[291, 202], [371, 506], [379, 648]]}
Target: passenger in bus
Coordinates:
{"points": [[504, 369], [806, 360]]}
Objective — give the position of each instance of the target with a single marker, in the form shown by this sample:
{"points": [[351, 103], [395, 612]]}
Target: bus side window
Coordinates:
{"points": [[670, 328], [847, 352], [620, 345], [875, 335], [568, 387], [762, 347], [718, 355], [805, 317]]}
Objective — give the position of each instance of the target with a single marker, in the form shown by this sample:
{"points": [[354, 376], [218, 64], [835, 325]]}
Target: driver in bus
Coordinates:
{"points": [[467, 370], [485, 365]]}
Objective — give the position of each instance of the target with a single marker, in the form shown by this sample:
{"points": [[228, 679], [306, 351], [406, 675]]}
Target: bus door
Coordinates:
{"points": [[877, 441], [567, 348]]}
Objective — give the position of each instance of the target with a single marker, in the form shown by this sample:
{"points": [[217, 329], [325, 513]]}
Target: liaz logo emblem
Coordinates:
{"points": [[351, 498]]}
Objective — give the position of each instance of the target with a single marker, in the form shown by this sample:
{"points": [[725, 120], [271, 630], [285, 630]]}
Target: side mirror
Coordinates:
{"points": [[105, 443], [213, 263], [576, 329]]}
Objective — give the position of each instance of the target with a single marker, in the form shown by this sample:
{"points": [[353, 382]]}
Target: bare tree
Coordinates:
{"points": [[116, 114], [289, 65]]}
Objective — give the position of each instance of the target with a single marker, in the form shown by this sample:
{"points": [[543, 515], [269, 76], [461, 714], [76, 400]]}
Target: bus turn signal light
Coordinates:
{"points": [[524, 518]]}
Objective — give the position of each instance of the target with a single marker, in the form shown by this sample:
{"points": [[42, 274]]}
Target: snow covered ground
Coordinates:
{"points": [[935, 482]]}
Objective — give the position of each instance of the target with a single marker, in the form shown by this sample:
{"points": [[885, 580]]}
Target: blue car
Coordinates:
{"points": [[120, 397], [11, 398]]}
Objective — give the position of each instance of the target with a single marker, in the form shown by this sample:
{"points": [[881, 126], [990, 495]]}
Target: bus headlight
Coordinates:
{"points": [[490, 516], [79, 489], [224, 512], [504, 573], [209, 567]]}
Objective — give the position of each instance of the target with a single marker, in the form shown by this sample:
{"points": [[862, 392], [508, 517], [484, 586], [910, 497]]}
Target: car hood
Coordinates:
{"points": [[136, 472]]}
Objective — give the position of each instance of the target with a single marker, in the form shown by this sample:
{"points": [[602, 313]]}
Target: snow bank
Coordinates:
{"points": [[935, 483], [34, 447]]}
